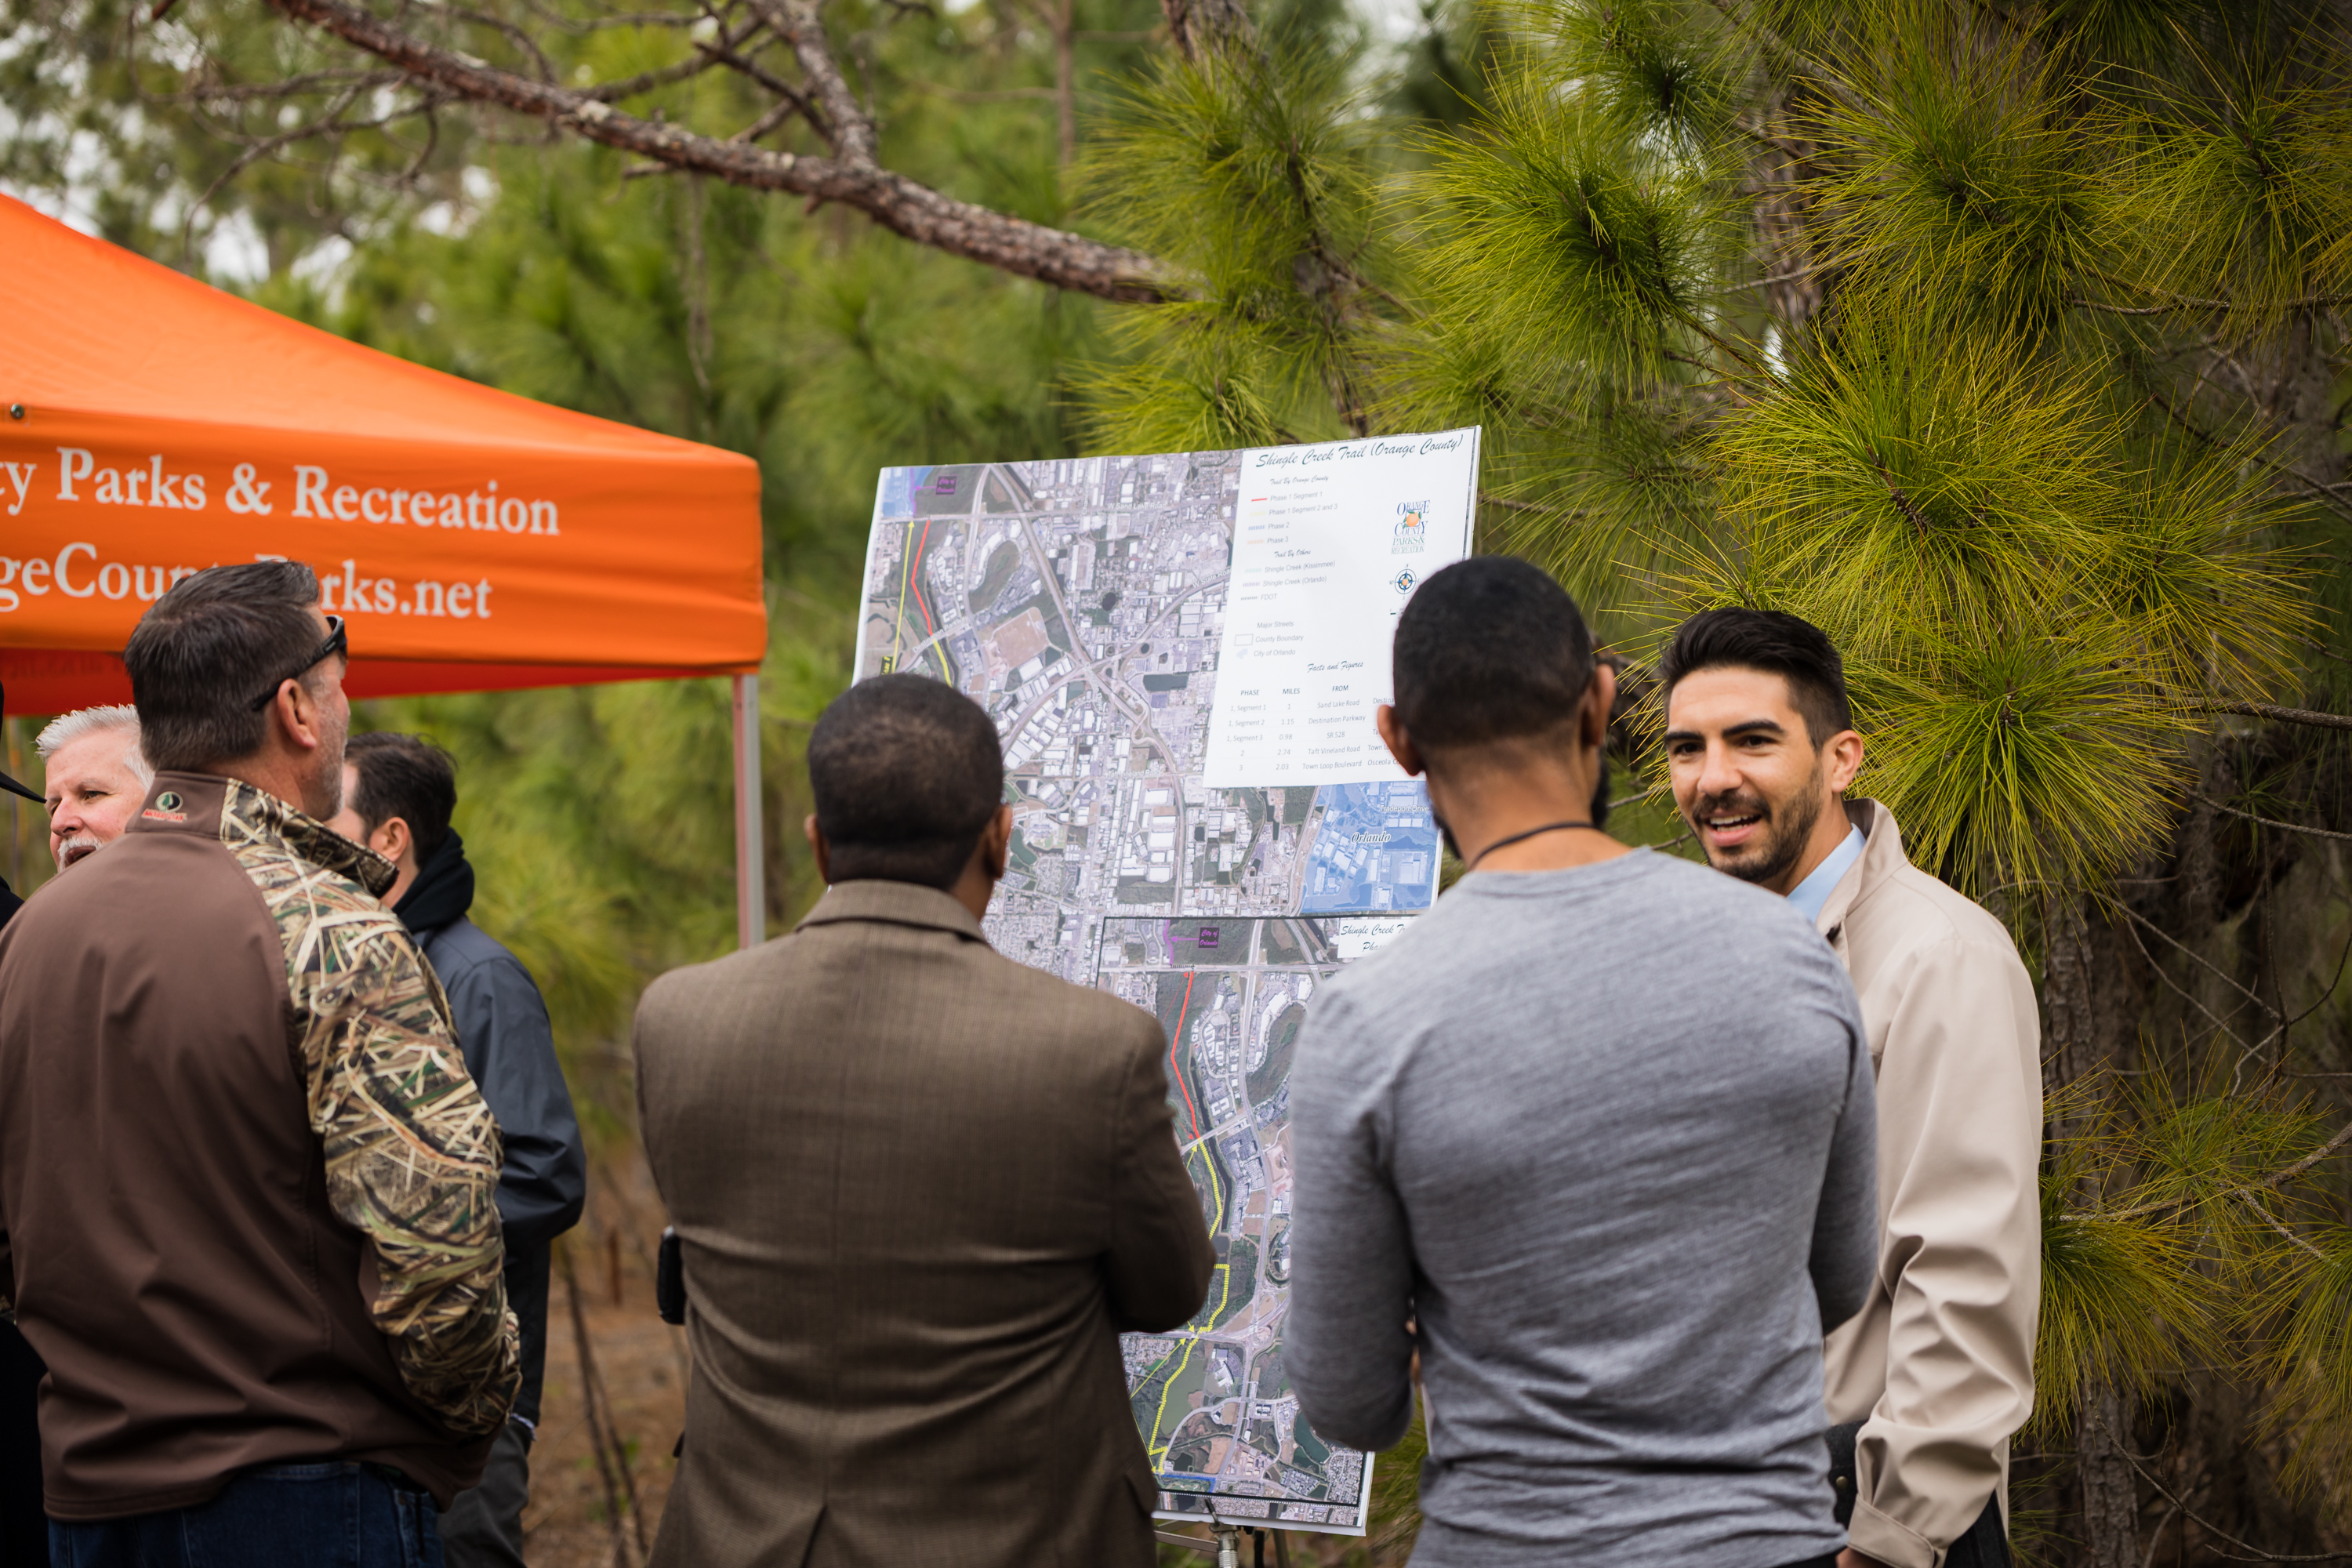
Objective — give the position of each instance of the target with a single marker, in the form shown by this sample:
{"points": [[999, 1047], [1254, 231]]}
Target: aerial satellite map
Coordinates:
{"points": [[1082, 602]]}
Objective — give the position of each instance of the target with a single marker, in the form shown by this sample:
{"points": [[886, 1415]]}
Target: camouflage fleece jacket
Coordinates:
{"points": [[411, 1154], [248, 1189]]}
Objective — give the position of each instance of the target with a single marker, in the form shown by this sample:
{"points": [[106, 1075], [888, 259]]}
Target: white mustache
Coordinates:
{"points": [[78, 847]]}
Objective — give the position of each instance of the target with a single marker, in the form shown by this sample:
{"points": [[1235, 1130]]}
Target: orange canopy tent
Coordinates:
{"points": [[471, 539]]}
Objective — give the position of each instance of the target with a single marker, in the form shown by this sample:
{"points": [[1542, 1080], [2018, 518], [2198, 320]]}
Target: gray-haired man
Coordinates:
{"points": [[93, 778]]}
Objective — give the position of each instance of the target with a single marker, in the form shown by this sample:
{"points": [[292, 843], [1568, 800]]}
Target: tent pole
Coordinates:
{"points": [[750, 853]]}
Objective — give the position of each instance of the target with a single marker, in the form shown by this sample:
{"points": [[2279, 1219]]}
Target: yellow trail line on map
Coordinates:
{"points": [[1209, 1156]]}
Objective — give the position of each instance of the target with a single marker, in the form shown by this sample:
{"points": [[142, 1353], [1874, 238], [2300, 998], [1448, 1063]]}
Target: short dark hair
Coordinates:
{"points": [[905, 771], [406, 776], [1775, 642], [1490, 649], [212, 644]]}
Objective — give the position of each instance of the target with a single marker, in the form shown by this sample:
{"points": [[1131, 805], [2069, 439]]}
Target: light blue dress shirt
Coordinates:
{"points": [[1811, 894]]}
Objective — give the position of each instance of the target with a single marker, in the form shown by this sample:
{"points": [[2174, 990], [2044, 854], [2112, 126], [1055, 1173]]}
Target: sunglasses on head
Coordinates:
{"points": [[335, 643]]}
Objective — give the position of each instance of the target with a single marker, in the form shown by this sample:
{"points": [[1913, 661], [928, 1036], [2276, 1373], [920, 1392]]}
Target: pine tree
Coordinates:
{"points": [[2005, 344]]}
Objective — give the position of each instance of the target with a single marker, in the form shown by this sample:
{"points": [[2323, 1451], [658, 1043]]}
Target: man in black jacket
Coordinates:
{"points": [[24, 1526], [399, 792]]}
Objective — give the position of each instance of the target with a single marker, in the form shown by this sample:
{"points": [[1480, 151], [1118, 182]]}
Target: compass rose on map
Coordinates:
{"points": [[1404, 582]]}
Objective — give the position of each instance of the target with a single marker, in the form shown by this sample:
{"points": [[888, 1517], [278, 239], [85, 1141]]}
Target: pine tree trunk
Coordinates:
{"points": [[2110, 1498], [2110, 1531]]}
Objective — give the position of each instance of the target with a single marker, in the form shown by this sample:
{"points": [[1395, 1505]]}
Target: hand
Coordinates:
{"points": [[1850, 1558]]}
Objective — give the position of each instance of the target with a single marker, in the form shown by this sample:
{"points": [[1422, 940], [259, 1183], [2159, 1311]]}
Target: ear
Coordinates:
{"points": [[824, 851], [391, 839], [1600, 703], [996, 843], [1841, 759], [296, 717], [1400, 744]]}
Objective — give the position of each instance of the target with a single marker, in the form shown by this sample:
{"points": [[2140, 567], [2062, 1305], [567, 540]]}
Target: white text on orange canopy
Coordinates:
{"points": [[316, 495]]}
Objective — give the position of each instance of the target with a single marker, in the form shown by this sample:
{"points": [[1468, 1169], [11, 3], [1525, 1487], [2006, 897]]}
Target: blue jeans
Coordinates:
{"points": [[326, 1515]]}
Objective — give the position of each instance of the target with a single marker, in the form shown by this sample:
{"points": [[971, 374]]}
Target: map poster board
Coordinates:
{"points": [[1084, 604]]}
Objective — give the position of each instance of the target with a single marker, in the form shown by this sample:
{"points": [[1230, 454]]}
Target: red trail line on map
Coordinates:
{"points": [[1173, 1040], [930, 628]]}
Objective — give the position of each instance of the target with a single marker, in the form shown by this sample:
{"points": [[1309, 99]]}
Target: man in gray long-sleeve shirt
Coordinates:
{"points": [[1599, 1126]]}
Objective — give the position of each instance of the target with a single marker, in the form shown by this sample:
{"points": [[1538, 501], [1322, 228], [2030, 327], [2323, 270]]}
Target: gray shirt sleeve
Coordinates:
{"points": [[1845, 1226], [1346, 1346]]}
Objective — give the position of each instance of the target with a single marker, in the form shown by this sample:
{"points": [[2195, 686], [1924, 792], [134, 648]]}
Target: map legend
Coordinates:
{"points": [[1329, 542]]}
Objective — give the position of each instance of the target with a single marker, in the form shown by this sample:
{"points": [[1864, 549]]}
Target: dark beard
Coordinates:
{"points": [[1787, 844]]}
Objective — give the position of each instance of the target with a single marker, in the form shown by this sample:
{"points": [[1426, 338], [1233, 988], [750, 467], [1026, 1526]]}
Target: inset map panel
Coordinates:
{"points": [[1375, 847], [1218, 1417]]}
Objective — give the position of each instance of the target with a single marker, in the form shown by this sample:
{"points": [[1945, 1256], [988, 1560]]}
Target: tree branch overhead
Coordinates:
{"points": [[852, 177]]}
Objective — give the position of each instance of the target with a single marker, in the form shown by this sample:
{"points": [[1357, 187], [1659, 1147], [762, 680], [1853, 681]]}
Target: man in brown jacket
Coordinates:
{"points": [[921, 1190], [247, 1188], [1937, 1373]]}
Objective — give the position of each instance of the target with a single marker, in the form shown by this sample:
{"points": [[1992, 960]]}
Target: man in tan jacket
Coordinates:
{"points": [[1937, 1373], [921, 1190]]}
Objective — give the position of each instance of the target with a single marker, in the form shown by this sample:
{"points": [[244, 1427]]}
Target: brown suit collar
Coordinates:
{"points": [[893, 903]]}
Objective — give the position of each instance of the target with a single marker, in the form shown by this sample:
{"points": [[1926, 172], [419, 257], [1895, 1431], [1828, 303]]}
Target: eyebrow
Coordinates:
{"points": [[1745, 727]]}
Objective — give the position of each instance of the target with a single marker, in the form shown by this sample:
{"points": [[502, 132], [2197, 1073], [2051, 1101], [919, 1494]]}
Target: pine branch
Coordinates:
{"points": [[797, 23], [2280, 715], [2274, 822], [662, 76], [2314, 302], [2255, 1553], [2271, 1183], [2202, 962], [897, 203], [2326, 492]]}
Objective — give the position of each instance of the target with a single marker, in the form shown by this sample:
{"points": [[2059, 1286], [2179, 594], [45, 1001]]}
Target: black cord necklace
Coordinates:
{"points": [[1516, 837]]}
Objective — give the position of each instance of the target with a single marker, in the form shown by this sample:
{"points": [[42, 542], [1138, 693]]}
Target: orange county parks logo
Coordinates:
{"points": [[1412, 535]]}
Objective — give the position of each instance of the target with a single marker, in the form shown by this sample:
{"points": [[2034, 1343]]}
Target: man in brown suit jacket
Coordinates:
{"points": [[921, 1190]]}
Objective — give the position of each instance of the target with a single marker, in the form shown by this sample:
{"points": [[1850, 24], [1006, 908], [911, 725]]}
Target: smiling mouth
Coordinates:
{"points": [[77, 852], [1730, 824]]}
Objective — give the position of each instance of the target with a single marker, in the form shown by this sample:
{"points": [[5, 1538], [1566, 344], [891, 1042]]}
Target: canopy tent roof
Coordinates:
{"points": [[472, 540]]}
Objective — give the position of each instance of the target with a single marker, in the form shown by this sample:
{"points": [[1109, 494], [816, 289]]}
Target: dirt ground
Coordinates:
{"points": [[643, 1364]]}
